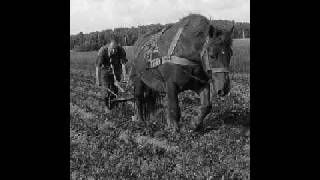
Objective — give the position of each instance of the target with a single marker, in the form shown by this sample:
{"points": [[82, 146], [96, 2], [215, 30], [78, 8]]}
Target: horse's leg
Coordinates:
{"points": [[139, 95], [205, 107], [173, 109]]}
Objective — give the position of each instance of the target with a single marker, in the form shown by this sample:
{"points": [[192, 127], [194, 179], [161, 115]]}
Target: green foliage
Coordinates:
{"points": [[128, 36]]}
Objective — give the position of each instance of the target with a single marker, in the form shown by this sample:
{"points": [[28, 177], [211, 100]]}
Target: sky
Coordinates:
{"points": [[96, 15]]}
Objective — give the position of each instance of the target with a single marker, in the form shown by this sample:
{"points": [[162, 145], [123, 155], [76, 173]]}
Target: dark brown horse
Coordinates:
{"points": [[202, 57]]}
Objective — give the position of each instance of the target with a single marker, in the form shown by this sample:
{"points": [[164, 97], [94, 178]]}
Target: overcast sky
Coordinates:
{"points": [[97, 15]]}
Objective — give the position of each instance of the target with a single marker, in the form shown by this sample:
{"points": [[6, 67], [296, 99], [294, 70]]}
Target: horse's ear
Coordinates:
{"points": [[212, 31]]}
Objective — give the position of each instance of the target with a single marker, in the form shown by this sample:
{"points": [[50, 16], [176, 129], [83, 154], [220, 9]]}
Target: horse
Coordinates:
{"points": [[198, 58]]}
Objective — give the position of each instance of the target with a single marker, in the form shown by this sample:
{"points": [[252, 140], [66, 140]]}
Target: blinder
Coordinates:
{"points": [[205, 61]]}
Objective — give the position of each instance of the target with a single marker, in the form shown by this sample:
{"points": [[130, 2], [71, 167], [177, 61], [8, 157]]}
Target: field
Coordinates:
{"points": [[240, 61], [113, 146]]}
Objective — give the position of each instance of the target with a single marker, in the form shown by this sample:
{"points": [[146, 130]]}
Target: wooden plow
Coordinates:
{"points": [[124, 94]]}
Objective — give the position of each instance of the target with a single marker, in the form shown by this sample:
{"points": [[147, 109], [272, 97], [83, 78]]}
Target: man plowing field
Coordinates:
{"points": [[109, 69]]}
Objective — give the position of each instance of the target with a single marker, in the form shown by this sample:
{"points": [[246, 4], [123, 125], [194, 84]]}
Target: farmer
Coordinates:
{"points": [[109, 68]]}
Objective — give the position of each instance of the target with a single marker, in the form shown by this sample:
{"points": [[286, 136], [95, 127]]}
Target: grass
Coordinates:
{"points": [[83, 60], [240, 61]]}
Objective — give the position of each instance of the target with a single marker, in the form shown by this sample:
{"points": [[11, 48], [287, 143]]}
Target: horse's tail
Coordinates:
{"points": [[151, 102]]}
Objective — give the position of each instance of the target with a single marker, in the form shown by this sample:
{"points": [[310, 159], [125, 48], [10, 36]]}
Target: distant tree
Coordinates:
{"points": [[128, 36]]}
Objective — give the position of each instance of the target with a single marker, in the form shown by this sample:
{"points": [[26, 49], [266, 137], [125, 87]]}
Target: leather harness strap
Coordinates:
{"points": [[173, 59], [174, 41], [169, 58], [219, 70], [181, 61]]}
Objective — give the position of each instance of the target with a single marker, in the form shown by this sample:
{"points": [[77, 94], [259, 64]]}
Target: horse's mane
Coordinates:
{"points": [[194, 24], [147, 35], [226, 40], [143, 38], [195, 27], [195, 31]]}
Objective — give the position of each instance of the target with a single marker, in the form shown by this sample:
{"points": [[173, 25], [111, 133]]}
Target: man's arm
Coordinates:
{"points": [[124, 60], [98, 65]]}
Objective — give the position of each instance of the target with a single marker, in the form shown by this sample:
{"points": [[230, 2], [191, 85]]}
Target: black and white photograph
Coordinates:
{"points": [[159, 89]]}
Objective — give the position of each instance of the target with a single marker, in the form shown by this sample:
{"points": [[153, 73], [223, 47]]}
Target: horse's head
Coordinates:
{"points": [[216, 57]]}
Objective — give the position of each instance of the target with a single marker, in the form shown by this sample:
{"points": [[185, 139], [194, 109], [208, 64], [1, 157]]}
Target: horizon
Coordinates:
{"points": [[88, 16], [147, 25]]}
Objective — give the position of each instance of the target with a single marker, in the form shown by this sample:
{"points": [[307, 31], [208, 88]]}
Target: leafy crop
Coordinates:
{"points": [[113, 146]]}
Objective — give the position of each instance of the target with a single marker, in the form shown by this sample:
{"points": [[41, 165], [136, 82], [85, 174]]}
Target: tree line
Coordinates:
{"points": [[127, 36]]}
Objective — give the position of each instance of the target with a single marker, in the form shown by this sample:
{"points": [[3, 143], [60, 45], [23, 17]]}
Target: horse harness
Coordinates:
{"points": [[154, 51]]}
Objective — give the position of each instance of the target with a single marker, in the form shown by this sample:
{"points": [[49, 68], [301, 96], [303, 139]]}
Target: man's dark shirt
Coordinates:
{"points": [[118, 57]]}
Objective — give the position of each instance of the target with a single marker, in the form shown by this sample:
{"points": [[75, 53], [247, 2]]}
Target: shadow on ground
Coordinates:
{"points": [[229, 118]]}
